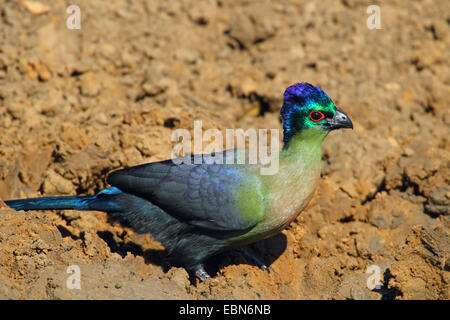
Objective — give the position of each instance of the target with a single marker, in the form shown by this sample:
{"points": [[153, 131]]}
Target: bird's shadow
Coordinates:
{"points": [[267, 251], [151, 256]]}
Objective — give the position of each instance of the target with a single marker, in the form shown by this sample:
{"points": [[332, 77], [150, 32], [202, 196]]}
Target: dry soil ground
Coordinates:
{"points": [[75, 104]]}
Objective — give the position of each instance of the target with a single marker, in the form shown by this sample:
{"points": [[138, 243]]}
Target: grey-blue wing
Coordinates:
{"points": [[215, 196]]}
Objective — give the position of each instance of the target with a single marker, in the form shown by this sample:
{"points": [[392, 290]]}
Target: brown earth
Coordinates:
{"points": [[75, 104]]}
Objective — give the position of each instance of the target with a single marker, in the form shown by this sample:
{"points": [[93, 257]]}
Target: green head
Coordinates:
{"points": [[307, 107]]}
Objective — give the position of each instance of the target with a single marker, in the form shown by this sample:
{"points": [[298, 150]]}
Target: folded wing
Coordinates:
{"points": [[216, 195]]}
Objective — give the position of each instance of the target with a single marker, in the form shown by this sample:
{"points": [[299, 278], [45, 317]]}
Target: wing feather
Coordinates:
{"points": [[207, 195]]}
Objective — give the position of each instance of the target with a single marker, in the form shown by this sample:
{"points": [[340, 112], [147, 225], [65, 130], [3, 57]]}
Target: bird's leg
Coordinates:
{"points": [[201, 273], [254, 259]]}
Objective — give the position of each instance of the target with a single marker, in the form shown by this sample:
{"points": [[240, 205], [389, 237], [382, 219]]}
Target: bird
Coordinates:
{"points": [[198, 209]]}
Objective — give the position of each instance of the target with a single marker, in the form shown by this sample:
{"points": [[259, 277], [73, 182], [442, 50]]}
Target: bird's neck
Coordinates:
{"points": [[303, 147], [301, 162], [298, 176], [292, 187]]}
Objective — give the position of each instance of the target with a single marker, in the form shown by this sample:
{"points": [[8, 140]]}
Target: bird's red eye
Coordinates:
{"points": [[316, 116]]}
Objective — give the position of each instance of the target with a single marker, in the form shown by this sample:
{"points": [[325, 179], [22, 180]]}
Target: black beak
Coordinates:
{"points": [[340, 120]]}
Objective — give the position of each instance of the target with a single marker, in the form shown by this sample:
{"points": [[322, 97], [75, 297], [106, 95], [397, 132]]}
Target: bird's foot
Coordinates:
{"points": [[201, 273], [255, 260]]}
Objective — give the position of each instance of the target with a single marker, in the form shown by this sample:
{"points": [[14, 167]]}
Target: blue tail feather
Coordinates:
{"points": [[103, 201]]}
